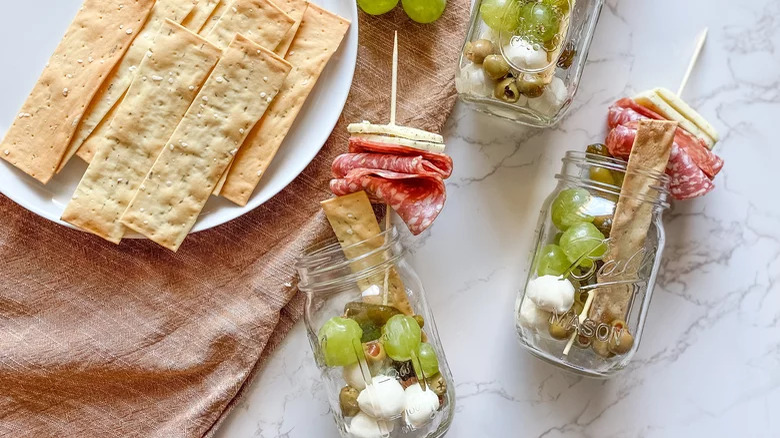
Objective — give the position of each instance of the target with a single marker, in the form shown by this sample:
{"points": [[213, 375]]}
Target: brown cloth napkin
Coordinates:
{"points": [[135, 341]]}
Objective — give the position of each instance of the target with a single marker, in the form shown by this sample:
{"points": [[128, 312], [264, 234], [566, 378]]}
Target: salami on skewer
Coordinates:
{"points": [[410, 165]]}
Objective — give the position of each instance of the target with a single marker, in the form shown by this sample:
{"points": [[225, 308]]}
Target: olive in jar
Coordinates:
{"points": [[348, 401], [478, 50], [506, 90], [620, 341], [495, 67], [531, 85]]}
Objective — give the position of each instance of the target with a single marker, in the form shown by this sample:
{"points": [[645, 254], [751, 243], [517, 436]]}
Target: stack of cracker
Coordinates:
{"points": [[160, 117]]}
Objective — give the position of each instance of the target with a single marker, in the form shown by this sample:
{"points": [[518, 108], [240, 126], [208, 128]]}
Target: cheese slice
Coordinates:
{"points": [[651, 100], [686, 110], [174, 191], [158, 97], [417, 144], [395, 131]]}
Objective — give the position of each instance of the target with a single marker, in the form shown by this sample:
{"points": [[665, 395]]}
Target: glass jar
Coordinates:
{"points": [[592, 274], [375, 340], [522, 59]]}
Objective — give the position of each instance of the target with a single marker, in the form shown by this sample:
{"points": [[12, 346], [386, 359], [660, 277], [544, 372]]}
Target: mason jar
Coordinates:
{"points": [[375, 340], [522, 59], [584, 304]]}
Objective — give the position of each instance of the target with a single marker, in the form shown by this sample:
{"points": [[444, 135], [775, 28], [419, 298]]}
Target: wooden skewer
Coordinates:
{"points": [[696, 52], [394, 91]]}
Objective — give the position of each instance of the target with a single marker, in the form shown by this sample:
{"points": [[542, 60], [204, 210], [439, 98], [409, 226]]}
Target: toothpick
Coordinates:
{"points": [[582, 316], [699, 45], [394, 91]]}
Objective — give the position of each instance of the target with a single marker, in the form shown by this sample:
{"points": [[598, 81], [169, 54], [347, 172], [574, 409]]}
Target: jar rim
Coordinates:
{"points": [[329, 257]]}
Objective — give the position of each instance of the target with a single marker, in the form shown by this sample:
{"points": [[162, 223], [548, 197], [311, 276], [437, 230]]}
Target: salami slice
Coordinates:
{"points": [[418, 199], [411, 165], [441, 161], [688, 179], [626, 110]]}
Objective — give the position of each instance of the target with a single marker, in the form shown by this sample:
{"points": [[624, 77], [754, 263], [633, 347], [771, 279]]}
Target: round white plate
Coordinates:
{"points": [[31, 30]]}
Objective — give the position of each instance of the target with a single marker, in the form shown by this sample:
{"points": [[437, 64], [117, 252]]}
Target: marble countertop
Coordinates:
{"points": [[709, 362]]}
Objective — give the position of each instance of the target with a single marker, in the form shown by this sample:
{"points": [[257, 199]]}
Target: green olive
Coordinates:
{"points": [[577, 307], [423, 337], [598, 149], [506, 90], [601, 175], [348, 401], [374, 352], [495, 67], [580, 297], [604, 224], [567, 57], [620, 341], [438, 384], [478, 50], [560, 329], [582, 341], [531, 85], [601, 348], [420, 320]]}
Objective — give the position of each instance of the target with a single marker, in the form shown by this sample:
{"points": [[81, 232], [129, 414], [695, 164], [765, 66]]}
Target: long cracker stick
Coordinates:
{"points": [[692, 63]]}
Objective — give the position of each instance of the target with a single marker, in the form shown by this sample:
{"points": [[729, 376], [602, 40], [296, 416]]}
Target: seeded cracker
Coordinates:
{"points": [[352, 219], [166, 84], [39, 136], [211, 23], [200, 15], [318, 37], [177, 187], [259, 20], [295, 9], [631, 221], [118, 81]]}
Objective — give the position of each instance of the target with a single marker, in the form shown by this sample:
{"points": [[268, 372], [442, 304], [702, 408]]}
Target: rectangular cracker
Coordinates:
{"points": [[632, 218], [92, 46], [295, 9], [261, 21], [353, 221], [158, 97], [318, 38], [119, 80], [179, 183], [200, 15], [211, 23]]}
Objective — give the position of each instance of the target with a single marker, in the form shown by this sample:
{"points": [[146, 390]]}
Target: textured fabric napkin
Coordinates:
{"points": [[135, 341]]}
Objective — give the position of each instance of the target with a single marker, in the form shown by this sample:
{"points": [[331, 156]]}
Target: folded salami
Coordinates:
{"points": [[692, 165], [418, 199], [411, 165], [441, 161]]}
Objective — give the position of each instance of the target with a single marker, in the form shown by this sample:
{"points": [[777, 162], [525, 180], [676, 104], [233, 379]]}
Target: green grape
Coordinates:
{"points": [[401, 336], [552, 261], [338, 337], [559, 6], [428, 361], [583, 239], [424, 11], [539, 22], [377, 7], [501, 14], [569, 207]]}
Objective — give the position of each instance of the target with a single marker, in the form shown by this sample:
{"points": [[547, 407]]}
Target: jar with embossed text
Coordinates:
{"points": [[596, 257], [375, 340]]}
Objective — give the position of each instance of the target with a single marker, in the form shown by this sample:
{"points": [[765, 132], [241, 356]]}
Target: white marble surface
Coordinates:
{"points": [[709, 363]]}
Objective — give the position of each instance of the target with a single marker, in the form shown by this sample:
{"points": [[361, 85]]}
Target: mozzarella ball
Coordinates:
{"points": [[551, 293], [354, 377], [532, 317], [473, 80], [383, 398], [363, 426], [419, 406], [523, 54], [551, 100]]}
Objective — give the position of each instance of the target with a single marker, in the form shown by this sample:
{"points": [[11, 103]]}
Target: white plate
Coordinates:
{"points": [[31, 30]]}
